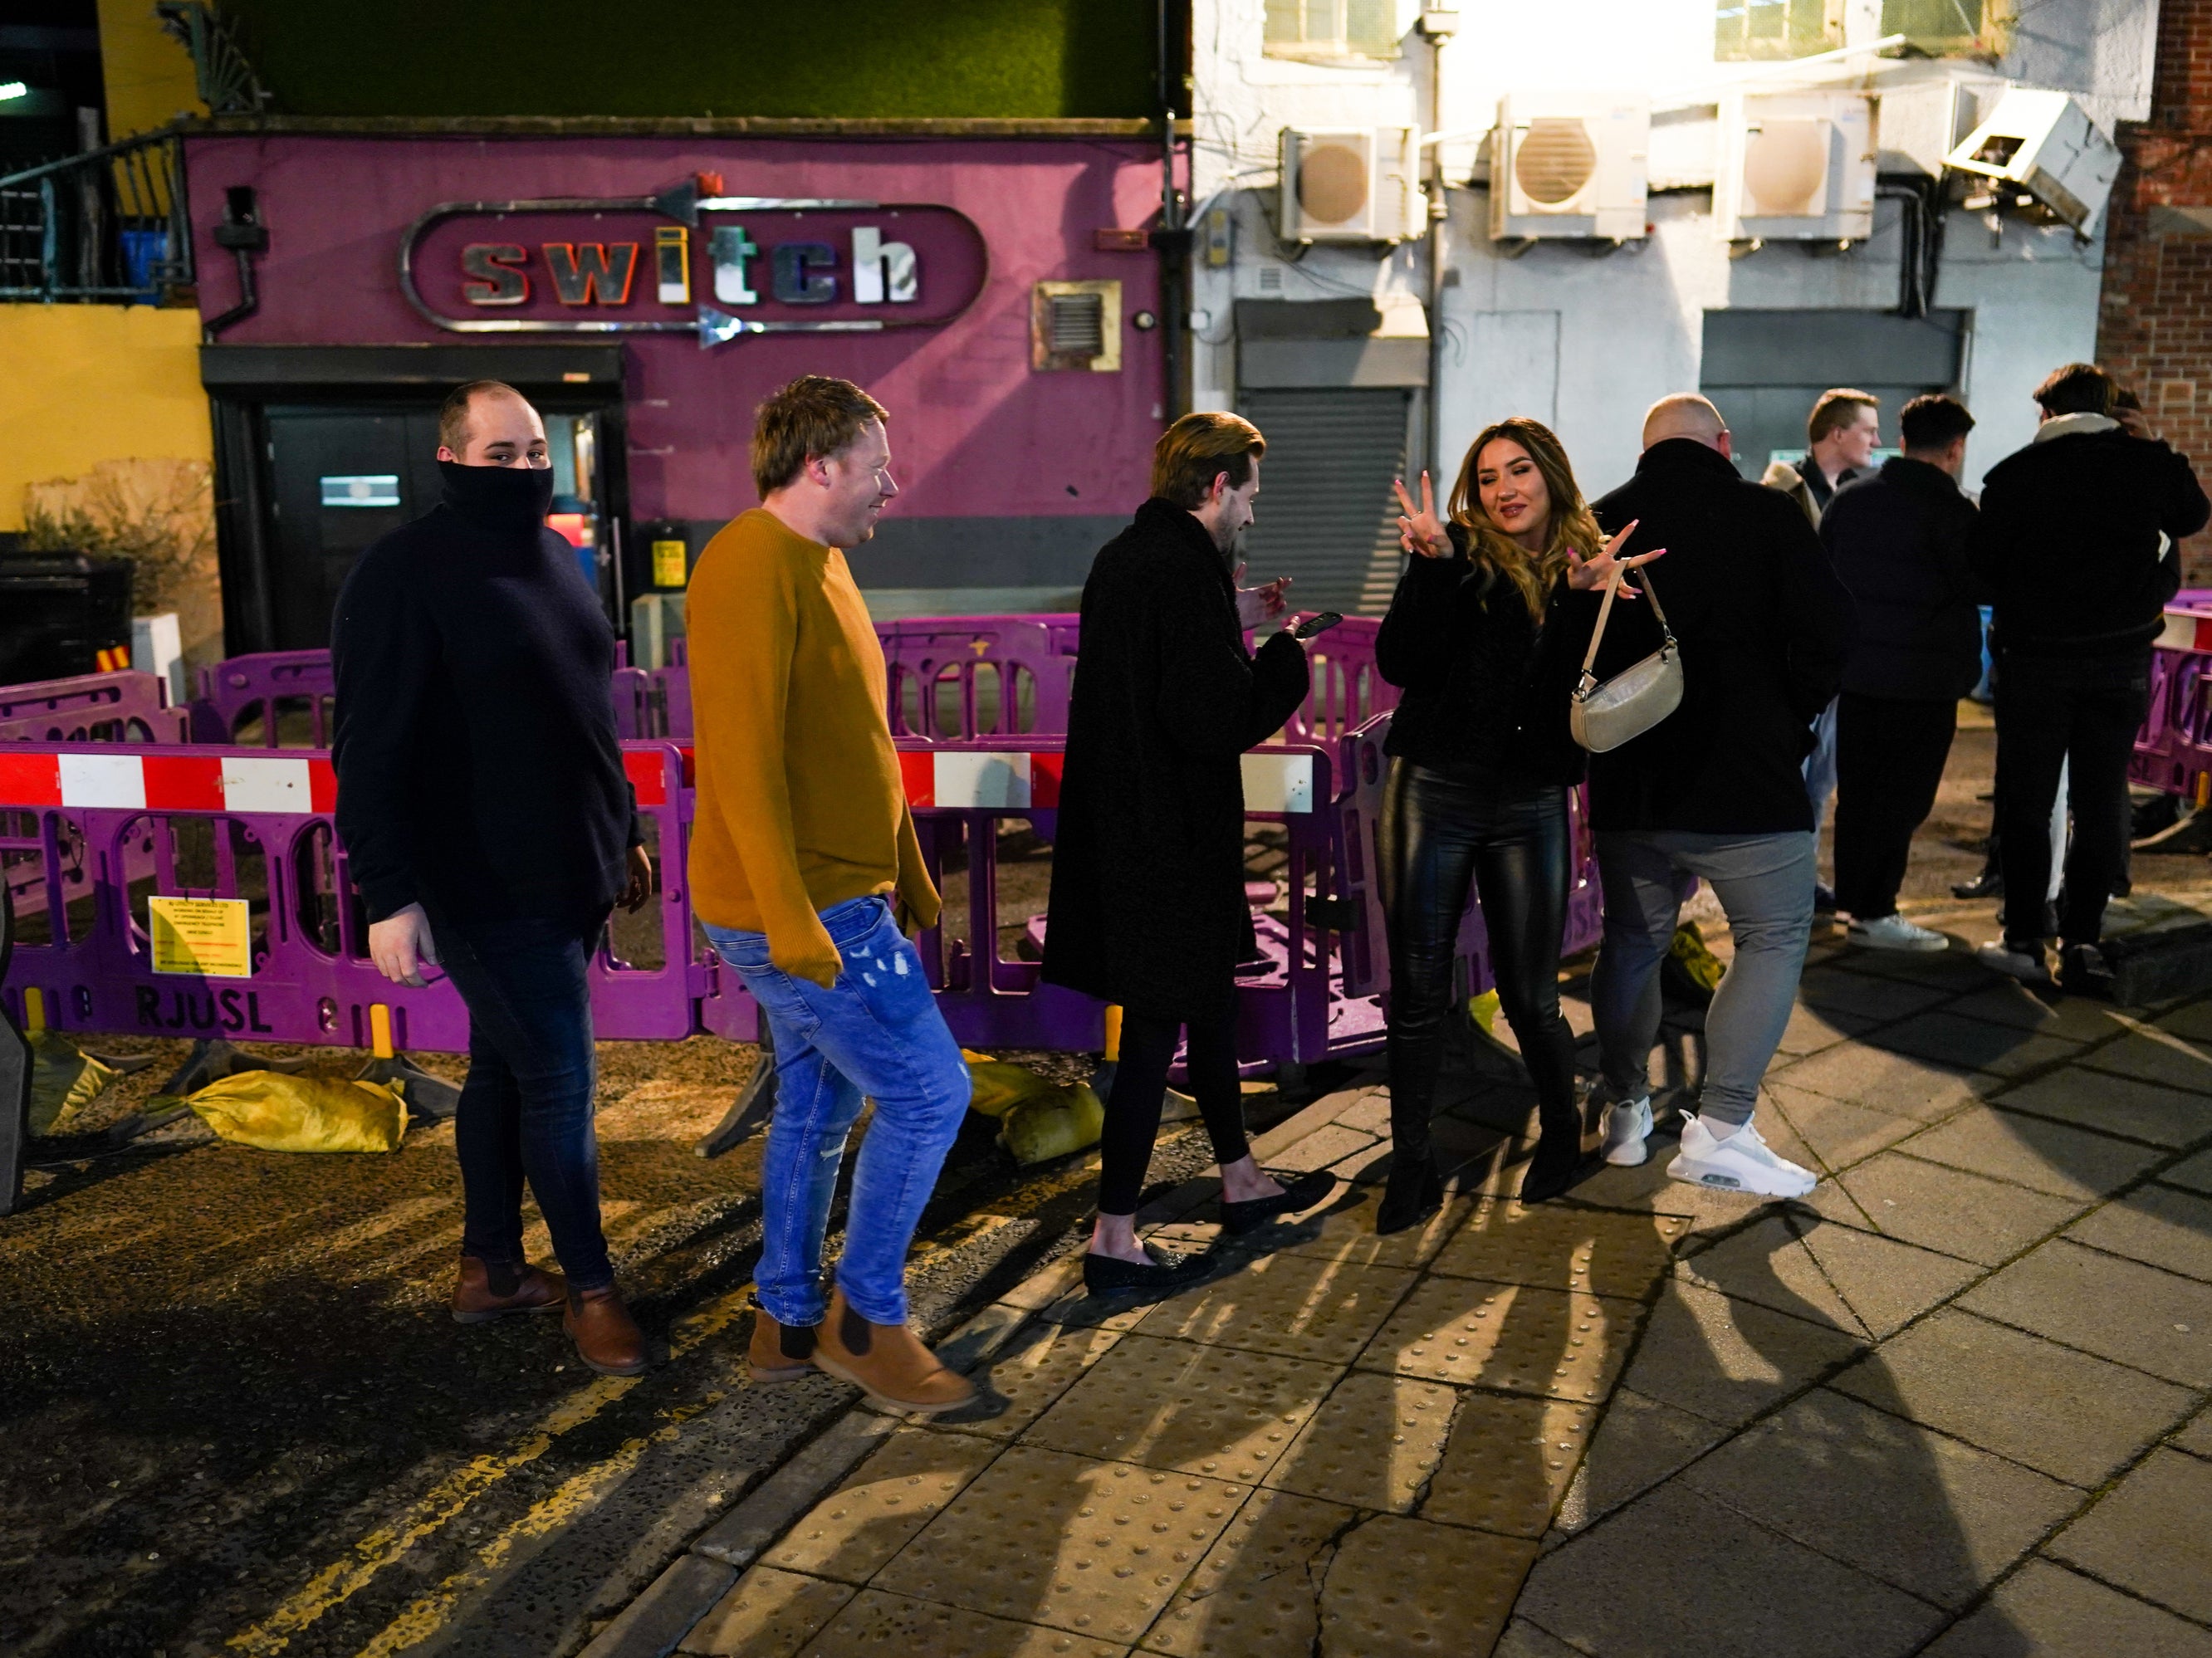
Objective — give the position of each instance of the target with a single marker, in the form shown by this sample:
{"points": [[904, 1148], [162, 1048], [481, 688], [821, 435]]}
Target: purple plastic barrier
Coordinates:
{"points": [[124, 706], [245, 824], [242, 690], [2173, 749], [1348, 688]]}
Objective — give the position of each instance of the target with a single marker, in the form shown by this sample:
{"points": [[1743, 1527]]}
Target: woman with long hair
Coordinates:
{"points": [[1482, 760]]}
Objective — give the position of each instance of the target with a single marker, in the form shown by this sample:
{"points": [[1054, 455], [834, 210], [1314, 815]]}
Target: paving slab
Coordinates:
{"points": [[1563, 1245], [1223, 1412], [2154, 1224], [1767, 1263], [1953, 970], [1509, 1462], [1928, 1513], [2143, 1111], [1812, 1028], [2007, 1002], [1341, 1228], [1406, 1589], [767, 1614], [1024, 1377], [1639, 1442], [1953, 1040], [2193, 1021], [1094, 1548], [1703, 1209], [2155, 1056], [1886, 1282], [2119, 1309], [1896, 1083], [850, 1533], [894, 1625], [2043, 1157], [2149, 1534], [1512, 1337], [1948, 1210], [1257, 1592], [2196, 1437], [1373, 1442], [1867, 996], [1838, 1132], [2193, 1173], [1323, 1149], [2045, 1610], [2068, 1414], [1522, 1639], [1294, 1305], [1675, 1573], [1726, 1360]]}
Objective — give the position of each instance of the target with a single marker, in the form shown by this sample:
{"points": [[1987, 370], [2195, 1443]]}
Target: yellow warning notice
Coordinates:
{"points": [[208, 937], [668, 560]]}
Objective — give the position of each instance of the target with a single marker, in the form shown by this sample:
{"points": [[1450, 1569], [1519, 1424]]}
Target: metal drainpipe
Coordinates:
{"points": [[1436, 28], [1174, 305]]}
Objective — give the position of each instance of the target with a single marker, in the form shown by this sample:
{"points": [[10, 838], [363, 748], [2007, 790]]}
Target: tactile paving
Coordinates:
{"points": [[1405, 1585], [1218, 1410], [1515, 1338], [1603, 1252], [879, 1622], [1373, 1443], [1257, 1594], [1507, 1467], [1294, 1305], [766, 1614], [1036, 1368], [912, 1475], [1095, 1548]]}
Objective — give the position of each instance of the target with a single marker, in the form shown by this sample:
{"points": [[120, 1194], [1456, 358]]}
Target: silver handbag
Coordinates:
{"points": [[1605, 716]]}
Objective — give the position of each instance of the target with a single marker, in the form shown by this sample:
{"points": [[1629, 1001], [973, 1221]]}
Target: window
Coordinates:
{"points": [[1322, 30], [1951, 28], [1749, 30]]}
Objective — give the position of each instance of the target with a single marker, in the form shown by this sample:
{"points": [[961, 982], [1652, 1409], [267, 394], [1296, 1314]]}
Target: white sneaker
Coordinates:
{"points": [[1895, 932], [1738, 1162], [2029, 969], [1628, 1126]]}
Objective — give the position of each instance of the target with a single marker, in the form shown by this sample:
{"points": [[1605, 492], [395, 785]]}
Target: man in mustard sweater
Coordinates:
{"points": [[804, 865]]}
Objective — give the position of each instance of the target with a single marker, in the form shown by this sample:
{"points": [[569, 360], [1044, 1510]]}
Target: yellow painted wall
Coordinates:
{"points": [[89, 383], [148, 75]]}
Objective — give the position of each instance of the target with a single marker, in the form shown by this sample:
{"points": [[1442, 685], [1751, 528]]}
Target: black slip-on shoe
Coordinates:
{"points": [[1163, 1275], [1301, 1191], [2083, 971]]}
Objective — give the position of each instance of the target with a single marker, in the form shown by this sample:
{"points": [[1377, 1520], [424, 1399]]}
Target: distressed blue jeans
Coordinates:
{"points": [[875, 1034]]}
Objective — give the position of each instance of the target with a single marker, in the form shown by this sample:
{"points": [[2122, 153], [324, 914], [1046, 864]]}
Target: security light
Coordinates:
{"points": [[13, 89]]}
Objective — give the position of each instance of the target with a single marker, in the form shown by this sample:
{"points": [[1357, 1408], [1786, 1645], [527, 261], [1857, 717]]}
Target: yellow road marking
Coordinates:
{"points": [[347, 1576]]}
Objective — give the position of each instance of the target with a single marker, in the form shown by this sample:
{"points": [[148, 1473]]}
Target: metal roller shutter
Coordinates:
{"points": [[1325, 514]]}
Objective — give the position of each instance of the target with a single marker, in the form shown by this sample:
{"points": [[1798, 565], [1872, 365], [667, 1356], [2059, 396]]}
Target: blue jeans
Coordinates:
{"points": [[876, 1033], [526, 1107]]}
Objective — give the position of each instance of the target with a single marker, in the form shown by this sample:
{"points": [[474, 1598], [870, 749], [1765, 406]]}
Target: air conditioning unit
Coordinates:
{"points": [[1795, 167], [1569, 164], [1351, 184], [2044, 145]]}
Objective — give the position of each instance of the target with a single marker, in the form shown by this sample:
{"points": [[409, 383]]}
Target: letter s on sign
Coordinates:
{"points": [[493, 281]]}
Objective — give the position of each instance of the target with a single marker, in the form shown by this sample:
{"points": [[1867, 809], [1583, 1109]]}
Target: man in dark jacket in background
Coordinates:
{"points": [[489, 828], [1898, 540], [2078, 545], [1715, 791]]}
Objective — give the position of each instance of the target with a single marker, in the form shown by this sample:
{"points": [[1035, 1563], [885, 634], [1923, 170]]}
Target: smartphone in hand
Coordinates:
{"points": [[1316, 624]]}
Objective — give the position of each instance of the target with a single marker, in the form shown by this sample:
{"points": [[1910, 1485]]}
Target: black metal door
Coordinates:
{"points": [[339, 478]]}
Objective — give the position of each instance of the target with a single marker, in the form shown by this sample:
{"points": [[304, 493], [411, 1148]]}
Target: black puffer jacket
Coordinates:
{"points": [[1898, 538], [1148, 907], [1482, 682]]}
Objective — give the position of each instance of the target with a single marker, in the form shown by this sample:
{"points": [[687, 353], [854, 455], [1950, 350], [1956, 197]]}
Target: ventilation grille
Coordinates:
{"points": [[1077, 325], [1333, 184], [1553, 160], [1785, 169]]}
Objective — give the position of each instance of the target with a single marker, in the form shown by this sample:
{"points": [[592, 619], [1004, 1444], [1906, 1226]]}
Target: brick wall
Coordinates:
{"points": [[2155, 331]]}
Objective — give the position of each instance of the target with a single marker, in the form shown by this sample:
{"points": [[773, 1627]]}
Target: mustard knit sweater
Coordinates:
{"points": [[800, 804]]}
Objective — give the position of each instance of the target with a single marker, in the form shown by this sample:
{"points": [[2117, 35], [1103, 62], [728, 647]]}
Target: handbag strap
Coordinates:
{"points": [[1605, 610]]}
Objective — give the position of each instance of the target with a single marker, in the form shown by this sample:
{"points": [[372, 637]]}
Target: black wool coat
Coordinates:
{"points": [[1148, 907], [1898, 538], [1765, 628]]}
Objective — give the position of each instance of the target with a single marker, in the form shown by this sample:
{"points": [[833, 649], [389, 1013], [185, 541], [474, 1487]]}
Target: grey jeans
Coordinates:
{"points": [[1765, 883]]}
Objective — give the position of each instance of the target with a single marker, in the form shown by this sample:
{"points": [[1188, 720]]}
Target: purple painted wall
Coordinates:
{"points": [[975, 432]]}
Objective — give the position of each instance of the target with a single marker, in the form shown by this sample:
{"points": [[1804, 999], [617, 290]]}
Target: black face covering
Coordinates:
{"points": [[506, 500]]}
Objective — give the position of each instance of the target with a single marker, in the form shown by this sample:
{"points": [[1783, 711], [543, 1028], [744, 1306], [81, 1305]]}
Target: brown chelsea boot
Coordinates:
{"points": [[779, 1352], [607, 1338], [887, 1361], [488, 1289]]}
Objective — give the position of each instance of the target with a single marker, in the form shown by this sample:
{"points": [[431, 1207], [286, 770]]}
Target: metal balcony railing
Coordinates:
{"points": [[108, 225]]}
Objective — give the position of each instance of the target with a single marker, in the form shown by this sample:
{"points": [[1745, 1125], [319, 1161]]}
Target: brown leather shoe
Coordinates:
{"points": [[887, 1361], [779, 1352], [485, 1291], [607, 1338]]}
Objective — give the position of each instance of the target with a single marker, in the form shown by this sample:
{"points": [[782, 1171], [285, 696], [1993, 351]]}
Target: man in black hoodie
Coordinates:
{"points": [[1715, 791], [490, 829], [2079, 546]]}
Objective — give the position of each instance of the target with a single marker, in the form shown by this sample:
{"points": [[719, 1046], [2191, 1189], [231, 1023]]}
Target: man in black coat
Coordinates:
{"points": [[1898, 539], [1715, 791], [1148, 910], [2079, 545]]}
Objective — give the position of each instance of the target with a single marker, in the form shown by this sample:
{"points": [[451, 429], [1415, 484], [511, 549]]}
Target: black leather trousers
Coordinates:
{"points": [[1443, 827]]}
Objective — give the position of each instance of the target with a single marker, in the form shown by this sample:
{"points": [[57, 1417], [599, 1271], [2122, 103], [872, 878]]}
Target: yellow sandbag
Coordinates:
{"points": [[1000, 1087], [1688, 948], [1053, 1125], [1483, 1010], [275, 1112], [62, 1081]]}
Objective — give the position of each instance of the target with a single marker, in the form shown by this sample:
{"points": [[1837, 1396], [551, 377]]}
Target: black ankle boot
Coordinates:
{"points": [[1557, 1165], [1416, 1191]]}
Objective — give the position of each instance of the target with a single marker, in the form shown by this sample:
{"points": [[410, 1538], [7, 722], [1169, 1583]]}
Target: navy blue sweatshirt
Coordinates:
{"points": [[478, 769]]}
